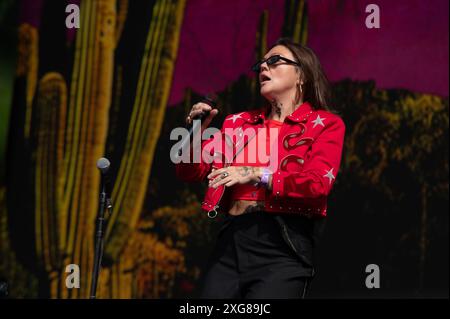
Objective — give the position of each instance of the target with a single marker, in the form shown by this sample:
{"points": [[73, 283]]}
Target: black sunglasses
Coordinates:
{"points": [[270, 61]]}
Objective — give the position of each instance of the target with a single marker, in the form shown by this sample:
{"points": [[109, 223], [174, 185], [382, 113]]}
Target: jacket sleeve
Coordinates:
{"points": [[192, 172], [320, 170]]}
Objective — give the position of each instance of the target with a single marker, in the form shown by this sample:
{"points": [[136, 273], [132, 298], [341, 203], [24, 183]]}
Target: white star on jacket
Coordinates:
{"points": [[235, 117], [329, 175], [318, 121]]}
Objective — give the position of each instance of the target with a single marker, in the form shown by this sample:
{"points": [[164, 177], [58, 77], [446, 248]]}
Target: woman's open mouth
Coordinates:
{"points": [[264, 79]]}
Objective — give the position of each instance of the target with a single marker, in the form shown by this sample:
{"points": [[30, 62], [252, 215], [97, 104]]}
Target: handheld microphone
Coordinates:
{"points": [[209, 99]]}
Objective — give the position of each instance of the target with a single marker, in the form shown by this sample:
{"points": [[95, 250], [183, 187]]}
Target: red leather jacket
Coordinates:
{"points": [[310, 146]]}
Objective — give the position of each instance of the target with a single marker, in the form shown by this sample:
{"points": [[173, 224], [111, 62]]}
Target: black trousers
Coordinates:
{"points": [[252, 258]]}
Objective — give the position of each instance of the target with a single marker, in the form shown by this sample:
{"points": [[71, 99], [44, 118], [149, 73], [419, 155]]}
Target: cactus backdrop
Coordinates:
{"points": [[120, 83], [63, 106]]}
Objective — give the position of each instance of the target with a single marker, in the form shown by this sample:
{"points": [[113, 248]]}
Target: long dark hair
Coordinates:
{"points": [[316, 85]]}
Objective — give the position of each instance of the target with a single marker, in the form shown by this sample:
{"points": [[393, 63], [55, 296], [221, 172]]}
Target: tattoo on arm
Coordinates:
{"points": [[245, 171]]}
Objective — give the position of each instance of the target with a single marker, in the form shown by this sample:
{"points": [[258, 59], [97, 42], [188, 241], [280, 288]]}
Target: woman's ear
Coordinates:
{"points": [[300, 78]]}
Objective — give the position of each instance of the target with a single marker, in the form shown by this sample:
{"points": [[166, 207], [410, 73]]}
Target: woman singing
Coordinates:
{"points": [[274, 210]]}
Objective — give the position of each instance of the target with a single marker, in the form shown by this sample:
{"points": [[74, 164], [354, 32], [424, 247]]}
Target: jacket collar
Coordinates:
{"points": [[298, 115], [303, 110], [257, 115]]}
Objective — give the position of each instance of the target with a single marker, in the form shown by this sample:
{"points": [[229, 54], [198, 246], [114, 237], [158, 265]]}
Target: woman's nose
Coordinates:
{"points": [[264, 67]]}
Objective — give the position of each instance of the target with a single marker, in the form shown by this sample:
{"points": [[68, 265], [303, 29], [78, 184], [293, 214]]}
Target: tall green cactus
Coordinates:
{"points": [[146, 121], [50, 213], [71, 130], [65, 126]]}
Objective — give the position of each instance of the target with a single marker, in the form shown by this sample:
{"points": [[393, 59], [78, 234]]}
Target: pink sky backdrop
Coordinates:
{"points": [[409, 51], [217, 43], [30, 12]]}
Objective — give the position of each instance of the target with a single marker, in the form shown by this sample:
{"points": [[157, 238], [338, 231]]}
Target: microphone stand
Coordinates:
{"points": [[105, 204]]}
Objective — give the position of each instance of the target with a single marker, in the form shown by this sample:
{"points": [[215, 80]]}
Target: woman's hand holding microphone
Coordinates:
{"points": [[198, 109]]}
